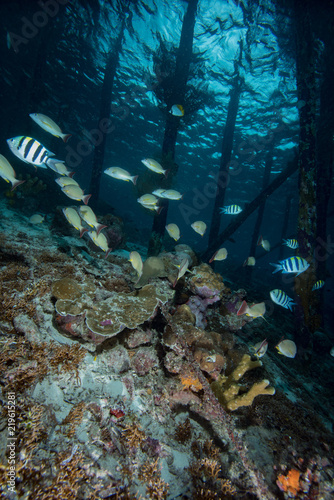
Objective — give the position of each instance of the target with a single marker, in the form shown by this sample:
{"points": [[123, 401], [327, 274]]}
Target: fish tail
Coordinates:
{"points": [[242, 309], [134, 179], [82, 232], [259, 241], [212, 258], [99, 228], [160, 210], [107, 252], [167, 172], [278, 267], [85, 199], [16, 183], [70, 174], [66, 137]]}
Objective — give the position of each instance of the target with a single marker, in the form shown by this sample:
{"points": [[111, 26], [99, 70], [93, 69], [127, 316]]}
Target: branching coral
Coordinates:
{"points": [[227, 389]]}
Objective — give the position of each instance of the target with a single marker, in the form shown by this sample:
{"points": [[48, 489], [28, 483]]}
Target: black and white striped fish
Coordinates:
{"points": [[291, 243], [282, 299], [231, 209], [30, 151], [291, 265]]}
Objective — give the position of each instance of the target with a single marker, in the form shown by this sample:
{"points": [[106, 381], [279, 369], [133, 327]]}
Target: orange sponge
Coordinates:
{"points": [[289, 483]]}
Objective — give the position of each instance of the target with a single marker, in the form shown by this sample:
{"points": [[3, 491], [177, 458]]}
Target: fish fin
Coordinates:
{"points": [[15, 184], [243, 308], [85, 199], [66, 137], [278, 267], [259, 241], [83, 231], [134, 179], [99, 228], [166, 173]]}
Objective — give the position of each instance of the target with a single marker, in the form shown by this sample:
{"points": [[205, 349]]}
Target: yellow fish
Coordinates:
{"points": [[74, 219], [177, 110], [136, 262], [183, 268], [36, 219], [154, 166], [264, 244], [173, 231], [76, 193], [49, 125], [288, 348], [66, 181], [148, 199], [8, 173], [221, 254], [100, 241], [87, 214], [171, 194], [199, 226], [250, 261], [121, 174], [255, 311]]}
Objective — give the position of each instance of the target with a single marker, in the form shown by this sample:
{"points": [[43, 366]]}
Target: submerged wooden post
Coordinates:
{"points": [[177, 95], [105, 109], [306, 317], [225, 158], [250, 208]]}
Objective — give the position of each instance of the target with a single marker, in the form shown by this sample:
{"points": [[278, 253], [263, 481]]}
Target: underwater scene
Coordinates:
{"points": [[166, 249]]}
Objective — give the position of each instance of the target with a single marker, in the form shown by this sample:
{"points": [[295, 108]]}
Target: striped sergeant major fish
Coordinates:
{"points": [[291, 265], [291, 243], [282, 299], [317, 285], [231, 209], [31, 151]]}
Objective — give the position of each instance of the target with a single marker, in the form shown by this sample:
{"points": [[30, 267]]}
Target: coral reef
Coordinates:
{"points": [[227, 389], [109, 316]]}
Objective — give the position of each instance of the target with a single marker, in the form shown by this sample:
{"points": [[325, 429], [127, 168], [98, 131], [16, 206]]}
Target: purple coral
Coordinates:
{"points": [[198, 307]]}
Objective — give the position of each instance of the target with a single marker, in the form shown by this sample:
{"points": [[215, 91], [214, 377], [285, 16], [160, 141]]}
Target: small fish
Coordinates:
{"points": [[260, 348], [74, 219], [100, 241], [177, 110], [36, 219], [264, 244], [121, 174], [154, 166], [255, 311], [331, 352], [183, 268], [30, 151], [159, 192], [291, 265], [76, 193], [171, 194], [148, 199], [66, 181], [199, 226], [287, 347], [60, 168], [136, 262], [317, 285], [87, 214], [282, 299], [49, 125], [8, 173], [153, 208], [221, 254], [250, 261], [231, 209], [173, 231], [291, 243]]}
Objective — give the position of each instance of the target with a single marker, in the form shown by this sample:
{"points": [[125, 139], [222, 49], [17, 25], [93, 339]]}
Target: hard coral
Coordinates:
{"points": [[205, 283], [227, 389], [108, 317]]}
